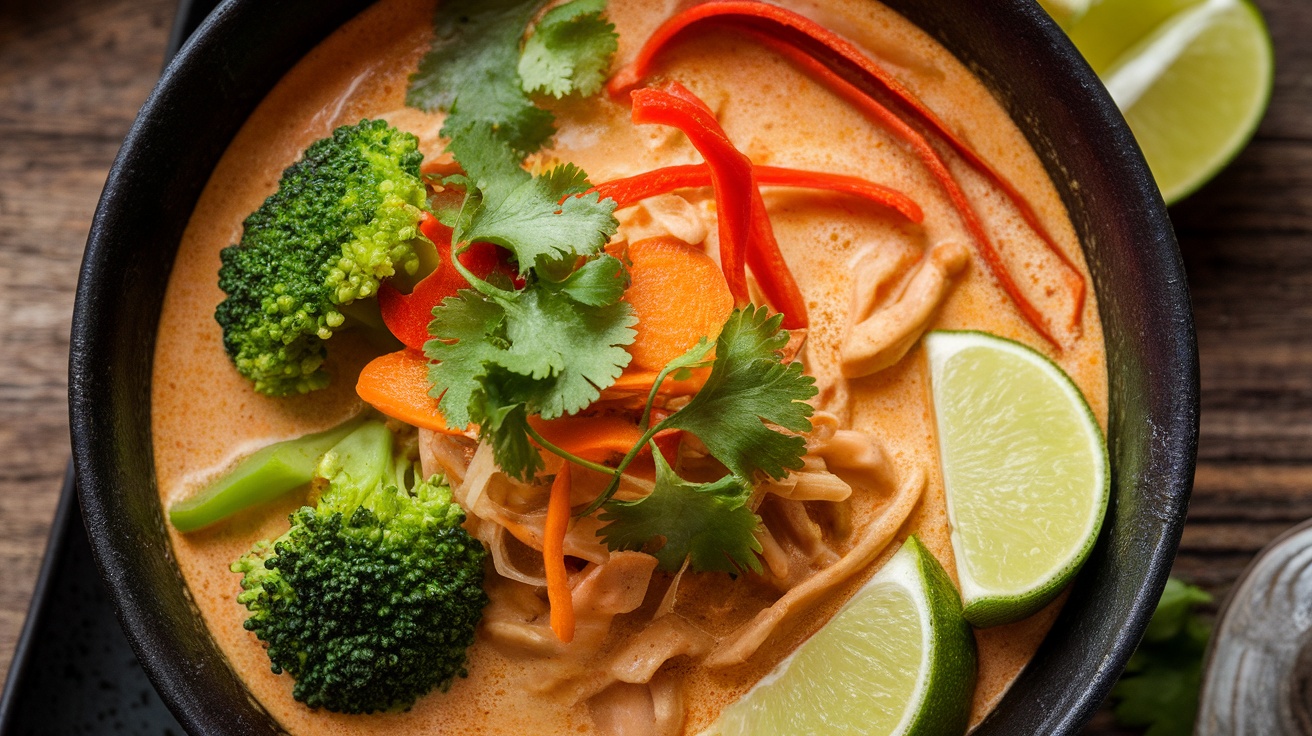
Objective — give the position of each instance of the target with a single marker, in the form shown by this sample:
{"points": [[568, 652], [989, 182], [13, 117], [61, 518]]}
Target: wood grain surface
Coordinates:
{"points": [[74, 72]]}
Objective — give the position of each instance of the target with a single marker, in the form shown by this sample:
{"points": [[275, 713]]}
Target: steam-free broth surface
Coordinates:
{"points": [[777, 116]]}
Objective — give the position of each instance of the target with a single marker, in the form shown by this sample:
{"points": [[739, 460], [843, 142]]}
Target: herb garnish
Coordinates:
{"points": [[1161, 682], [472, 71], [710, 523], [570, 50], [550, 347]]}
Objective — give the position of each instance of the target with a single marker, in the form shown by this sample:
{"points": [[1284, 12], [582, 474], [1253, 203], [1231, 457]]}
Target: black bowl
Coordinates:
{"points": [[247, 45]]}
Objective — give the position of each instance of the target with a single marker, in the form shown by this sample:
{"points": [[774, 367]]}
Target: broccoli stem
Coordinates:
{"points": [[259, 478], [356, 468]]}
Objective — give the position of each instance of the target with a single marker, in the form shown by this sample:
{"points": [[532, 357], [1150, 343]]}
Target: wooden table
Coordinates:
{"points": [[74, 72]]}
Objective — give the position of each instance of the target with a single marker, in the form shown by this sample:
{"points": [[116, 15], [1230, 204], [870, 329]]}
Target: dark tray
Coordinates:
{"points": [[73, 671]]}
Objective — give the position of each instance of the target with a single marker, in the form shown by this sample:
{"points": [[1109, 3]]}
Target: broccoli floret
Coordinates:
{"points": [[371, 598], [344, 217]]}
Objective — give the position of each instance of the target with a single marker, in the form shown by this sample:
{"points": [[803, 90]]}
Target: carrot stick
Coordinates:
{"points": [[631, 190], [396, 384], [553, 557], [852, 74]]}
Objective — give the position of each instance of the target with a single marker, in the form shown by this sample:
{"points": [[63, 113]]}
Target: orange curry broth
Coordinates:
{"points": [[204, 415]]}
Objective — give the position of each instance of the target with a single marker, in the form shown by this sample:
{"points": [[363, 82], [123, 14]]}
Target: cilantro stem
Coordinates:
{"points": [[651, 432], [479, 284], [618, 471], [553, 449]]}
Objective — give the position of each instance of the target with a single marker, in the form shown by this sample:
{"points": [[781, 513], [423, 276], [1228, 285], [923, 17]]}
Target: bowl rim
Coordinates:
{"points": [[98, 397]]}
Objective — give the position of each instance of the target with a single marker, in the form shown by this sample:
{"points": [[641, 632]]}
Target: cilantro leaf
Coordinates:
{"points": [[599, 282], [467, 326], [1162, 680], [502, 356], [710, 523], [470, 72], [503, 422], [531, 223], [748, 387], [579, 347], [506, 205], [570, 50], [492, 167]]}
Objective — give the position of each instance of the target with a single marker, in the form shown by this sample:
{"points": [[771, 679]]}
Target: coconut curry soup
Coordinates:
{"points": [[567, 371]]}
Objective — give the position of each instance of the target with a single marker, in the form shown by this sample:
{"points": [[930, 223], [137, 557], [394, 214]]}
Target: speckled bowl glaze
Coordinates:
{"points": [[247, 45]]}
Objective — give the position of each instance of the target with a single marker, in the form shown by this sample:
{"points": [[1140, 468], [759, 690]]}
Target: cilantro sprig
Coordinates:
{"points": [[570, 50], [750, 396], [502, 354], [1160, 686], [471, 72], [476, 73], [749, 390], [708, 523], [544, 220]]}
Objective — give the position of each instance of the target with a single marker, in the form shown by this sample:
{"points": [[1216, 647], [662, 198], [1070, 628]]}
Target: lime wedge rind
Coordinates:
{"points": [[991, 605], [931, 697], [947, 712]]}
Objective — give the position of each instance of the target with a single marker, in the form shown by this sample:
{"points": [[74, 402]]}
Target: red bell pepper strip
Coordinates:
{"points": [[631, 190], [842, 67], [746, 237], [408, 315], [730, 170]]}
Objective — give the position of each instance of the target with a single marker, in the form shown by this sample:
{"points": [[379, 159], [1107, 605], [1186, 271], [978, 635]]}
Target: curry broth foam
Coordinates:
{"points": [[204, 415]]}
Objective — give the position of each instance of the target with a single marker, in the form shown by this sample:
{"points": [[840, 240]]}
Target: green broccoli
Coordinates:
{"points": [[371, 598], [344, 217]]}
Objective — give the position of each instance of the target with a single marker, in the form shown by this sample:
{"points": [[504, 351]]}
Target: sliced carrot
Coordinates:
{"points": [[679, 296], [396, 384], [553, 557], [595, 437]]}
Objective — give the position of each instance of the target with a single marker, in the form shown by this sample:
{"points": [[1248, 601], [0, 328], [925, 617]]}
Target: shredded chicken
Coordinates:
{"points": [[639, 658], [883, 329], [518, 619], [744, 642], [625, 709], [664, 214], [448, 454]]}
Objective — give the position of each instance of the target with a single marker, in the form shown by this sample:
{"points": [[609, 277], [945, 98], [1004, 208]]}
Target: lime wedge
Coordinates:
{"points": [[1110, 27], [1193, 78], [1066, 12], [896, 659], [1025, 469]]}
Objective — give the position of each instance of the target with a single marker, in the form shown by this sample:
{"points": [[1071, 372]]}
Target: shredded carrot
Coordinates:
{"points": [[841, 66], [559, 596], [396, 384]]}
